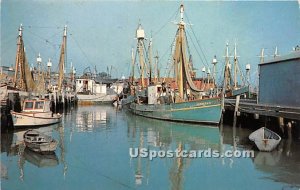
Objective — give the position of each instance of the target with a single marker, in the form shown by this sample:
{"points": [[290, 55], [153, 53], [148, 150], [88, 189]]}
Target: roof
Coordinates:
{"points": [[292, 56]]}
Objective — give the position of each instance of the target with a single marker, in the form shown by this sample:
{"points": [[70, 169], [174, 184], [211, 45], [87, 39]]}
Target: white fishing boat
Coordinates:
{"points": [[35, 113], [39, 142], [91, 92], [265, 139]]}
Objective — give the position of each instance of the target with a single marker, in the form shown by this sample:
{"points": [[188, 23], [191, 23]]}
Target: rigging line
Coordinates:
{"points": [[31, 47], [93, 65], [146, 57], [205, 63], [173, 15], [167, 50], [201, 49], [191, 66], [58, 33], [165, 53], [187, 43], [221, 77], [168, 70], [170, 62], [242, 74], [30, 26], [44, 39]]}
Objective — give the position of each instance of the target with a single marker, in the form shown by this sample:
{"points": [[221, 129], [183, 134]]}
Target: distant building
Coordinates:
{"points": [[9, 71], [279, 80], [6, 74]]}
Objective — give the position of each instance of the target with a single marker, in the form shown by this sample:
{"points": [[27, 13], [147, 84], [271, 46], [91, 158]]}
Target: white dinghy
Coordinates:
{"points": [[265, 139]]}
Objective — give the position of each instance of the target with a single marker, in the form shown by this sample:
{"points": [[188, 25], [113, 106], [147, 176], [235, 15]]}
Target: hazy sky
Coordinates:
{"points": [[102, 33]]}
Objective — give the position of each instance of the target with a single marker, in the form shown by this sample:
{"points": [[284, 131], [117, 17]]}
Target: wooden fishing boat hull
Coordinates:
{"points": [[84, 99], [128, 100], [265, 139], [207, 111], [38, 142], [26, 119]]}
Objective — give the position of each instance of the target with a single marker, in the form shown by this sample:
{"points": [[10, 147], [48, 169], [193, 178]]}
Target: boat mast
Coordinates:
{"points": [[62, 60], [49, 65], [227, 69], [235, 66], [19, 64], [40, 82], [22, 79], [150, 59], [262, 60], [156, 68], [214, 62], [140, 35], [132, 62], [181, 63], [262, 55], [276, 52], [179, 55]]}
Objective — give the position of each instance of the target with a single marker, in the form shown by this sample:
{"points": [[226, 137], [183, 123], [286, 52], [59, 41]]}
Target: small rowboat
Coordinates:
{"points": [[265, 139], [39, 142]]}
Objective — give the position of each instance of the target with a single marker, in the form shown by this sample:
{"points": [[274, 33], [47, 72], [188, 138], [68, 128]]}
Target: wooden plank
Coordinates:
{"points": [[266, 110]]}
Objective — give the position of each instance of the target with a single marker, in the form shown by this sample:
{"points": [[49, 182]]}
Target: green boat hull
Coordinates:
{"points": [[207, 111]]}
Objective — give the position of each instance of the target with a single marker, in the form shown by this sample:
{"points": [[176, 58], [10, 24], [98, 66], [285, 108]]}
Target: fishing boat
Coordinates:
{"points": [[232, 88], [91, 92], [265, 139], [35, 112], [186, 102], [39, 142]]}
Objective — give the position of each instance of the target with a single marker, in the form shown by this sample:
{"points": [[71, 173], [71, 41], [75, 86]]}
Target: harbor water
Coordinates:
{"points": [[94, 153]]}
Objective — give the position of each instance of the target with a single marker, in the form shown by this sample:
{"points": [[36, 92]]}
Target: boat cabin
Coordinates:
{"points": [[89, 86], [158, 94], [40, 105], [34, 137]]}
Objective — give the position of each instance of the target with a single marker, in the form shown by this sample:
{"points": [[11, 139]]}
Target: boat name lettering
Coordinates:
{"points": [[203, 103]]}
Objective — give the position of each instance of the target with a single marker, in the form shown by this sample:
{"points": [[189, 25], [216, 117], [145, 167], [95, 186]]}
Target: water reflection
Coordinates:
{"points": [[282, 163], [41, 160], [87, 118], [12, 143], [100, 156], [160, 135]]}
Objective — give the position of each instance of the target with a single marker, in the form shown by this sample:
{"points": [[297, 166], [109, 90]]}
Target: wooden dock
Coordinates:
{"points": [[251, 107]]}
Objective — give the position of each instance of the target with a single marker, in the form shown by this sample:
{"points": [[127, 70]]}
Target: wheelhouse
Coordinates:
{"points": [[36, 105]]}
